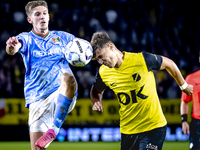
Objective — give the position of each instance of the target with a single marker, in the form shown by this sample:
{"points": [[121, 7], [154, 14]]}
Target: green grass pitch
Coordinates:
{"points": [[86, 146]]}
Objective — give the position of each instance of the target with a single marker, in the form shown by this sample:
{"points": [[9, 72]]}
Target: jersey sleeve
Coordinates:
{"points": [[67, 36], [184, 96], [153, 61], [98, 83], [22, 38]]}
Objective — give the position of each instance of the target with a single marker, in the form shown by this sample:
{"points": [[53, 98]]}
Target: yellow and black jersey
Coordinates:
{"points": [[134, 85]]}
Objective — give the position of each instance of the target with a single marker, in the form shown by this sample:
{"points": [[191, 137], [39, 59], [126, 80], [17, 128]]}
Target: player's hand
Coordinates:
{"points": [[98, 106], [13, 45], [185, 128], [188, 90], [12, 41]]}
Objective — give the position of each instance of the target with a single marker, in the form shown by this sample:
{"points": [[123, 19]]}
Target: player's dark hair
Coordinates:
{"points": [[98, 41], [32, 4]]}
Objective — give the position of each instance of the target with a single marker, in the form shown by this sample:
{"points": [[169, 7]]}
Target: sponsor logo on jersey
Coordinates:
{"points": [[53, 51]]}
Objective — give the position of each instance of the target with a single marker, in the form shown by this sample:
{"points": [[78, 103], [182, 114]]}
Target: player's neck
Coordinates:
{"points": [[120, 58], [41, 31]]}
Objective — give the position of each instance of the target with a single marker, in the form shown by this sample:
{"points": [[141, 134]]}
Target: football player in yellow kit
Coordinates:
{"points": [[130, 76]]}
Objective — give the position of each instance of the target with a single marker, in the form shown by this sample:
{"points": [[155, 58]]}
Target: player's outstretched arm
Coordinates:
{"points": [[96, 97], [12, 45], [173, 70]]}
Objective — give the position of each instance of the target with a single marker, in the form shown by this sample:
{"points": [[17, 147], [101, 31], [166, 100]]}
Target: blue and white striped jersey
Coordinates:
{"points": [[44, 60]]}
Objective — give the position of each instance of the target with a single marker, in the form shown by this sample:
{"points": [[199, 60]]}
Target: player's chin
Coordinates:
{"points": [[43, 27], [109, 66]]}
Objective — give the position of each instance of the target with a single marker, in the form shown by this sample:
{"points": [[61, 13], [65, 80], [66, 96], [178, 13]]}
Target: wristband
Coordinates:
{"points": [[184, 118], [183, 87]]}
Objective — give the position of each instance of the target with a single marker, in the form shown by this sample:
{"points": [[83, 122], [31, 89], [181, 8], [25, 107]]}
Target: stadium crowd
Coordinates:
{"points": [[165, 27]]}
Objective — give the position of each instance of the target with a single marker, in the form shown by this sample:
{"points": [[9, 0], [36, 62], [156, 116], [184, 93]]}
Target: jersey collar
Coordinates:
{"points": [[40, 35], [122, 65]]}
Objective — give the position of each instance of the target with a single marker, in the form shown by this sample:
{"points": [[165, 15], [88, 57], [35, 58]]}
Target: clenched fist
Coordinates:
{"points": [[12, 45]]}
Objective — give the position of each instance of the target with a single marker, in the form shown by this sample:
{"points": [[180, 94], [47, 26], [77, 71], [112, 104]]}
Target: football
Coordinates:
{"points": [[78, 52]]}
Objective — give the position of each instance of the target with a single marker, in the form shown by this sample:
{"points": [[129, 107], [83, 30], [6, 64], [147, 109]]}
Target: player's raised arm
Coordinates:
{"points": [[12, 45], [173, 70]]}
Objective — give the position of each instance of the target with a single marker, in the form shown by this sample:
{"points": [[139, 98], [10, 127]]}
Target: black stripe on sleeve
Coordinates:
{"points": [[98, 83], [153, 61]]}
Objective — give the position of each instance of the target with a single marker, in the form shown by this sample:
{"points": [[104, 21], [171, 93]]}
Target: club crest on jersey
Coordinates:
{"points": [[136, 77], [56, 40]]}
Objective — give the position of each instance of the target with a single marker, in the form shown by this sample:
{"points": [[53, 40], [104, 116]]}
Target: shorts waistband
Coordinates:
{"points": [[196, 121]]}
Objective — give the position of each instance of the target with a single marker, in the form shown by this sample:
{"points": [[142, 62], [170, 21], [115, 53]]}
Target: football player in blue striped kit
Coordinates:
{"points": [[50, 87]]}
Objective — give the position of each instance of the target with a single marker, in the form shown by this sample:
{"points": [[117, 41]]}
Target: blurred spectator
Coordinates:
{"points": [[94, 24], [85, 79], [19, 17], [113, 35], [111, 16], [172, 91]]}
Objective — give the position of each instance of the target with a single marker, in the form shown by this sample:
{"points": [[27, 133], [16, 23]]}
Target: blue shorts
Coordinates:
{"points": [[194, 134], [150, 140]]}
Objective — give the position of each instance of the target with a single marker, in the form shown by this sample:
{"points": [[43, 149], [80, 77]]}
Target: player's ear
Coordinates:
{"points": [[111, 46], [29, 20], [49, 17]]}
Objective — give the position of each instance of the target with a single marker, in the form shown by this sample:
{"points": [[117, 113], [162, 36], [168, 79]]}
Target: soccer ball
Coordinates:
{"points": [[78, 52]]}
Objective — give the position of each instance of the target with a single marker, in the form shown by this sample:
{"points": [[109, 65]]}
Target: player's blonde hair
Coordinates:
{"points": [[32, 4], [98, 41]]}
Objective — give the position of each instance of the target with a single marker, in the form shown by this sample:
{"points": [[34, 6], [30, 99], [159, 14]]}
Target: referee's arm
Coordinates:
{"points": [[184, 112]]}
